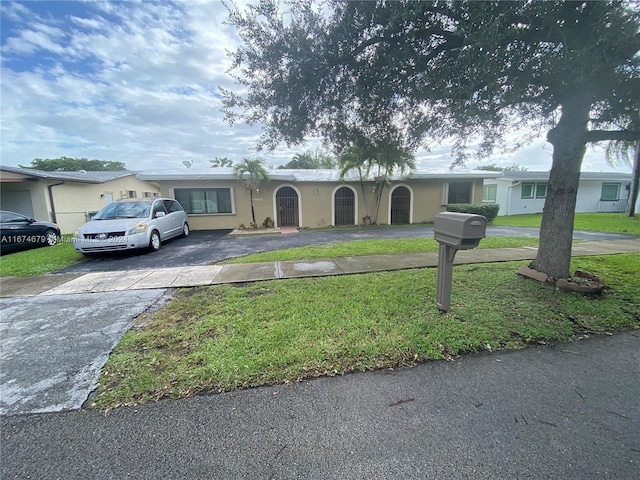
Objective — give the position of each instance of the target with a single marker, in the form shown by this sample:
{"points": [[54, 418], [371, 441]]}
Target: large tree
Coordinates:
{"points": [[467, 70], [68, 164]]}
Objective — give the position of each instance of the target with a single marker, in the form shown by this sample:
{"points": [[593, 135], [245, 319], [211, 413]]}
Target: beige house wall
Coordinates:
{"points": [[73, 200], [316, 201]]}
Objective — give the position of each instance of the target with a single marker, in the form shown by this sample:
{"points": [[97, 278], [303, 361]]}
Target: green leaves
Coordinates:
{"points": [[68, 164]]}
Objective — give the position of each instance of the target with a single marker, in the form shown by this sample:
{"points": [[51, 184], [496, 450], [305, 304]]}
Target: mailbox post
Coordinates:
{"points": [[454, 231]]}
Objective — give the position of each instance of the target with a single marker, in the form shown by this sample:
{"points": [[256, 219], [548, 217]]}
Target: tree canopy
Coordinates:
{"points": [[492, 167], [221, 162], [467, 70], [310, 160], [68, 164]]}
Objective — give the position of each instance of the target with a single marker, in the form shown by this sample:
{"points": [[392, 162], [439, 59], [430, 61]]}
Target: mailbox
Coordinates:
{"points": [[459, 230], [454, 231]]}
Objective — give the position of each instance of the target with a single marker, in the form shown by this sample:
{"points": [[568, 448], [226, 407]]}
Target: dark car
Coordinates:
{"points": [[18, 232]]}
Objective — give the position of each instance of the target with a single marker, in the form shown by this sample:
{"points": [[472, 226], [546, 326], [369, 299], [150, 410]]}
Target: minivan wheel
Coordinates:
{"points": [[185, 230], [154, 241]]}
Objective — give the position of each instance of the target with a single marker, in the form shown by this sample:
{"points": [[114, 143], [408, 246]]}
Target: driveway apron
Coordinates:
{"points": [[54, 347]]}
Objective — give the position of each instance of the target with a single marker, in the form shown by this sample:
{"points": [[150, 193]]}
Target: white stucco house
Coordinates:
{"points": [[525, 192]]}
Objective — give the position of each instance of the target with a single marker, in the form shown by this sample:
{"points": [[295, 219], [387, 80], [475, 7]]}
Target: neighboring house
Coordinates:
{"points": [[215, 198], [66, 198], [525, 192]]}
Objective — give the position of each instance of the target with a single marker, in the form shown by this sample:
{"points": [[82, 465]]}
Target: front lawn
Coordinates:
{"points": [[374, 247], [595, 222], [39, 261], [227, 337]]}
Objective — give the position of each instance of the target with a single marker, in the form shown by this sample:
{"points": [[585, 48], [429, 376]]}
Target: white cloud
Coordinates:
{"points": [[138, 83]]}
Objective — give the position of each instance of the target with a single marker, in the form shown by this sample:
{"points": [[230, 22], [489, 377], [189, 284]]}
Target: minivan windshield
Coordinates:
{"points": [[124, 210]]}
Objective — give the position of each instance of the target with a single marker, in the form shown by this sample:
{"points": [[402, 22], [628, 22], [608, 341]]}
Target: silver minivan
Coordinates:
{"points": [[131, 224]]}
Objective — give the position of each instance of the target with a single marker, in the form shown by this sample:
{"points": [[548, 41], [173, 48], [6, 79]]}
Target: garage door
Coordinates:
{"points": [[18, 201]]}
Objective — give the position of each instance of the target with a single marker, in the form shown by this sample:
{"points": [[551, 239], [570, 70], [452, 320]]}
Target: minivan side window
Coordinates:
{"points": [[158, 207], [172, 206]]}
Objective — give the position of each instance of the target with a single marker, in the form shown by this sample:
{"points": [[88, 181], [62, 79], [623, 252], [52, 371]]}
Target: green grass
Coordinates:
{"points": [[596, 222], [221, 338], [39, 261], [45, 260], [373, 247]]}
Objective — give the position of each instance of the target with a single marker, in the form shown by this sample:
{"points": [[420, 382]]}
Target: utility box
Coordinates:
{"points": [[460, 230], [454, 231]]}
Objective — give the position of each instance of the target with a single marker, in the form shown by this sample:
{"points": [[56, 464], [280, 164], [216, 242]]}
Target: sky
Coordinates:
{"points": [[139, 82]]}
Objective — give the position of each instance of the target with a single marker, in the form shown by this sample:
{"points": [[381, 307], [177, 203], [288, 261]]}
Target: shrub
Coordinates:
{"points": [[253, 225], [268, 223], [488, 210]]}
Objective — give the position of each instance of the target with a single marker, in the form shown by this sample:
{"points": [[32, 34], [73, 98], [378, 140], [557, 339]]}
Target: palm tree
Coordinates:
{"points": [[251, 172]]}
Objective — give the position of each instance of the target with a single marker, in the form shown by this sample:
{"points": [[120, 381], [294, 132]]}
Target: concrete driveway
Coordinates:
{"points": [[211, 246], [54, 347]]}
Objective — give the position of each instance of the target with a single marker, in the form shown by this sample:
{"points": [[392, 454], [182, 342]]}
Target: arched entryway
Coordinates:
{"points": [[287, 205], [344, 207], [400, 206]]}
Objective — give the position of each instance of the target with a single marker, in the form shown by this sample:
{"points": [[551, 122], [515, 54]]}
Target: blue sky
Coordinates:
{"points": [[138, 82]]}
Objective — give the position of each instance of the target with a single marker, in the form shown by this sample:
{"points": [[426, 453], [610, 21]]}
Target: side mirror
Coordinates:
{"points": [[160, 214]]}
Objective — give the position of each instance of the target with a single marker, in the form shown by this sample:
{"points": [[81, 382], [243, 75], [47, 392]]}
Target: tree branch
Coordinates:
{"points": [[595, 136]]}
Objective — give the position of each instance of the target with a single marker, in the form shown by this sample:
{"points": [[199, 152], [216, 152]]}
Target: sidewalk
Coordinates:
{"points": [[62, 284]]}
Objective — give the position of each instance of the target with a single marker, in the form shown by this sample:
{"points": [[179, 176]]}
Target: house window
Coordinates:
{"points": [[489, 193], [459, 192], [610, 192], [541, 190], [204, 200], [150, 194], [527, 190]]}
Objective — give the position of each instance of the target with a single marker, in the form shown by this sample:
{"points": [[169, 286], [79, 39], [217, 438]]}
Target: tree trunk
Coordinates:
{"points": [[379, 190], [569, 145], [633, 193], [253, 213], [364, 201]]}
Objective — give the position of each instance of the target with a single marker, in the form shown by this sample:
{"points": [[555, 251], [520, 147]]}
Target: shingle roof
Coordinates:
{"points": [[78, 176]]}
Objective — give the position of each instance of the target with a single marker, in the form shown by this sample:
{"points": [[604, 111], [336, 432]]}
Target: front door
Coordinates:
{"points": [[287, 205], [400, 206], [345, 206]]}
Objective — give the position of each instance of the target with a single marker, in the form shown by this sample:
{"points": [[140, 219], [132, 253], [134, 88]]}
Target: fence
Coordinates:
{"points": [[613, 206]]}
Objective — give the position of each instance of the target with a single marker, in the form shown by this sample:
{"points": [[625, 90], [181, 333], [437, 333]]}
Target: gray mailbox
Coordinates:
{"points": [[454, 231]]}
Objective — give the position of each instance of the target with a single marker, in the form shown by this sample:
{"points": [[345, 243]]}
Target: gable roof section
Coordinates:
{"points": [[81, 176]]}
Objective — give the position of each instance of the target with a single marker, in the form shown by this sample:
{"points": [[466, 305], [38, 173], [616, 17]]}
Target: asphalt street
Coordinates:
{"points": [[565, 411], [211, 246]]}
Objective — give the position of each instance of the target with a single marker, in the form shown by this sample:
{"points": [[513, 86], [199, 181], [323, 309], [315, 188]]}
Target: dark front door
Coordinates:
{"points": [[287, 204], [345, 206], [400, 206]]}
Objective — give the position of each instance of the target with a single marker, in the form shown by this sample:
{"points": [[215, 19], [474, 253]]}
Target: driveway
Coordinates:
{"points": [[54, 347], [211, 246]]}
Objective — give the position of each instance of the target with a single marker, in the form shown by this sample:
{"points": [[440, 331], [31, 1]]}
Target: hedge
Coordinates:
{"points": [[488, 210]]}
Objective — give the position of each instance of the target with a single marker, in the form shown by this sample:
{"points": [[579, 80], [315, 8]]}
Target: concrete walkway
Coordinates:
{"points": [[65, 284]]}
